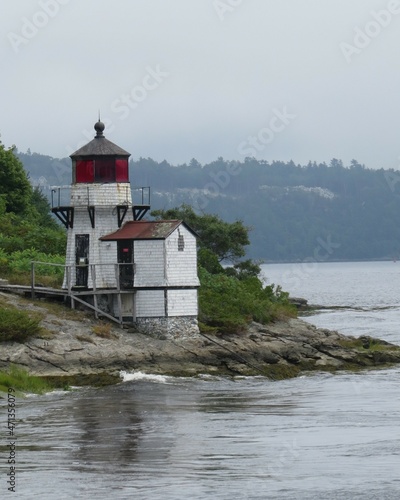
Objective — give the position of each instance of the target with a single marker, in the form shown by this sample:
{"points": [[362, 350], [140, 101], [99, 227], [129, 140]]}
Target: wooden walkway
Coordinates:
{"points": [[35, 291], [74, 295]]}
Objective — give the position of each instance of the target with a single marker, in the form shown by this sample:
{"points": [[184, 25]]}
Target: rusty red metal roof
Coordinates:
{"points": [[145, 230]]}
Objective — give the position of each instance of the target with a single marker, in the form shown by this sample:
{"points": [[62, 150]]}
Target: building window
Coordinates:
{"points": [[105, 170], [84, 171], [181, 243], [121, 170]]}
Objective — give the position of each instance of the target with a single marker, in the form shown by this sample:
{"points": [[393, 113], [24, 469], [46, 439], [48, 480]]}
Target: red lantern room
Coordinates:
{"points": [[100, 161]]}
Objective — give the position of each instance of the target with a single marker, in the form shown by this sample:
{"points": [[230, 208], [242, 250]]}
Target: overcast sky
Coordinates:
{"points": [[181, 79]]}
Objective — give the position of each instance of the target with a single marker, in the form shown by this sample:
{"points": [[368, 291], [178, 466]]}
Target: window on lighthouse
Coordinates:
{"points": [[121, 170], [105, 170], [102, 170], [85, 171]]}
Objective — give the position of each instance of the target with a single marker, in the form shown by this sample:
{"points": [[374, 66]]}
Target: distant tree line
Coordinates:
{"points": [[293, 210]]}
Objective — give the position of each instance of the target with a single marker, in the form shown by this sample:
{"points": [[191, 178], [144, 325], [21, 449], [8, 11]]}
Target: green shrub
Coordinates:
{"points": [[20, 380], [16, 267], [209, 261], [18, 326], [46, 240], [230, 303], [3, 260], [11, 243], [20, 261]]}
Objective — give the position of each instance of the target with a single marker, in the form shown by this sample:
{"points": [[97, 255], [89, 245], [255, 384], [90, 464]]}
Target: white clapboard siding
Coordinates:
{"points": [[107, 260], [182, 302], [95, 194], [99, 252], [127, 304], [181, 265], [149, 259], [150, 304]]}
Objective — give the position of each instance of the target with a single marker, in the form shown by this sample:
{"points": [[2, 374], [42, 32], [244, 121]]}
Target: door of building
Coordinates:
{"points": [[82, 259], [125, 261]]}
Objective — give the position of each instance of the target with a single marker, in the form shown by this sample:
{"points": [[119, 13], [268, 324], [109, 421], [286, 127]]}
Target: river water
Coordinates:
{"points": [[318, 436]]}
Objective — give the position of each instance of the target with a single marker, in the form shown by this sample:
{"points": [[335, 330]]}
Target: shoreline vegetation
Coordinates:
{"points": [[22, 382]]}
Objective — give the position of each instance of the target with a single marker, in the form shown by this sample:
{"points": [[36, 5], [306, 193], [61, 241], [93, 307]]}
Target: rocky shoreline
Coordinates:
{"points": [[76, 345]]}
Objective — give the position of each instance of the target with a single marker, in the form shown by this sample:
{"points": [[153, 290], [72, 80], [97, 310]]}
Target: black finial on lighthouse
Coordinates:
{"points": [[99, 128]]}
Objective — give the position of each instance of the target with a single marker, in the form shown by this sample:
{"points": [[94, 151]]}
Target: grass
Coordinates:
{"points": [[3, 300], [103, 330], [24, 278], [367, 344], [62, 312], [17, 325], [19, 379], [207, 329]]}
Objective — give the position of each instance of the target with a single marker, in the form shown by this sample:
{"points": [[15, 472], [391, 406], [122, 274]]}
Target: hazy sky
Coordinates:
{"points": [[181, 79]]}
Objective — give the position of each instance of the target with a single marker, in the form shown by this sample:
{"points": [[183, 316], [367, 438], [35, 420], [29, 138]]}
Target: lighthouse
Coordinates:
{"points": [[101, 201], [123, 266]]}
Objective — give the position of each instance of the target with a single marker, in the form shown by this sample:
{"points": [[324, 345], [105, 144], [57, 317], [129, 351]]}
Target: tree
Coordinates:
{"points": [[14, 183], [194, 163], [41, 205], [27, 229], [244, 270], [229, 298], [226, 240]]}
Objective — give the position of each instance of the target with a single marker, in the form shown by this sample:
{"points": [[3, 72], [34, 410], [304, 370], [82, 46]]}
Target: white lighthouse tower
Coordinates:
{"points": [[101, 201]]}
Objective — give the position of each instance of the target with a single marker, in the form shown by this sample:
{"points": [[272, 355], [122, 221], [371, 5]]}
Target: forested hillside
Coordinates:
{"points": [[315, 211], [27, 229]]}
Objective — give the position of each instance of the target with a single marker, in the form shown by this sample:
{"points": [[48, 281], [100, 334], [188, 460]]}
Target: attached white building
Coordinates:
{"points": [[163, 275], [138, 271]]}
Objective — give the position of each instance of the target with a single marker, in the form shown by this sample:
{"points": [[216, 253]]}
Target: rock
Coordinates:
{"points": [[300, 303], [267, 356], [280, 349]]}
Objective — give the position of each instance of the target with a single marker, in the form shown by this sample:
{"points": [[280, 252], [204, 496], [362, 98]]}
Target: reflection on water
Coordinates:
{"points": [[313, 437], [106, 430], [237, 401]]}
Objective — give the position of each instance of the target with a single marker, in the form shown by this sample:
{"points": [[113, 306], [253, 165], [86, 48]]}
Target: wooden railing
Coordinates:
{"points": [[75, 292]]}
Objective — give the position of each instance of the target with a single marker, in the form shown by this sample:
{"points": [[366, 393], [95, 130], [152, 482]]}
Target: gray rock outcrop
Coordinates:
{"points": [[74, 343]]}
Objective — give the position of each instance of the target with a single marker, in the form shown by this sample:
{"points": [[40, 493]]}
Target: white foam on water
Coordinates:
{"points": [[55, 392], [139, 376]]}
